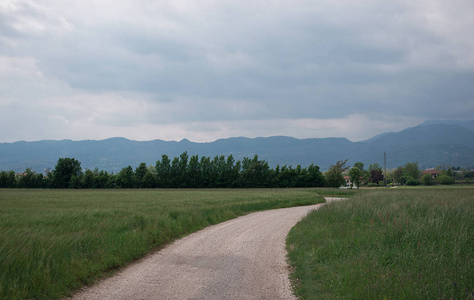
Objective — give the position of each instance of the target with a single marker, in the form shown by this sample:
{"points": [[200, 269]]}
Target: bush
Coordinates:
{"points": [[404, 178], [372, 184], [427, 179], [411, 181], [445, 179]]}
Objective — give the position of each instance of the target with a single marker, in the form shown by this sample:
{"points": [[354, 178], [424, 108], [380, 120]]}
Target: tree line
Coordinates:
{"points": [[179, 172], [408, 174], [225, 172]]}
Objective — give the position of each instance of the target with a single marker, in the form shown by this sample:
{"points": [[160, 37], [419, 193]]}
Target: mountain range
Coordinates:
{"points": [[430, 144]]}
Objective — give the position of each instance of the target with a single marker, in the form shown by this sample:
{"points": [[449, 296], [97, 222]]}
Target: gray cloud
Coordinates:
{"points": [[208, 64]]}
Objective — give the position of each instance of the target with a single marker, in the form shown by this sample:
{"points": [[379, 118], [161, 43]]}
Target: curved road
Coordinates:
{"points": [[244, 258]]}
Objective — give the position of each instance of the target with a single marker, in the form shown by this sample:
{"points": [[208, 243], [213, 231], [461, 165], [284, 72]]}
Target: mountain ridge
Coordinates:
{"points": [[429, 144]]}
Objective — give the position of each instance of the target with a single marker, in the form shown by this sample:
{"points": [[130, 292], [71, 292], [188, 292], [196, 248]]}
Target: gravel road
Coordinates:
{"points": [[244, 258]]}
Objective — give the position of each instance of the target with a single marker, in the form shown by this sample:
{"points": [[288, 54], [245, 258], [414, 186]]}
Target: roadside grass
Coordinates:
{"points": [[52, 242], [438, 186], [335, 192], [387, 244]]}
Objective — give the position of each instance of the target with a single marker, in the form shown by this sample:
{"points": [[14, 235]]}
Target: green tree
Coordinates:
{"points": [[175, 175], [445, 179], [355, 175], [47, 181], [359, 165], [411, 169], [236, 171], [405, 178], [255, 172], [75, 182], [140, 172], [469, 174], [148, 180], [163, 171], [365, 173], [111, 182], [194, 172], [300, 174], [397, 174], [183, 170], [316, 178], [232, 171], [30, 179], [7, 179], [287, 177], [374, 167], [427, 179], [206, 172], [88, 180], [65, 169], [101, 178], [388, 177], [215, 170], [334, 177], [126, 178], [411, 181]]}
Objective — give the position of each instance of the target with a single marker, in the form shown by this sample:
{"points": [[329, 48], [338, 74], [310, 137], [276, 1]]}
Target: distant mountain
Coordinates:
{"points": [[469, 124], [374, 138], [429, 144]]}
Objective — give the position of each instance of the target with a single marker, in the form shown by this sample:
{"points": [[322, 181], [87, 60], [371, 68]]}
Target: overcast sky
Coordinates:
{"points": [[210, 69]]}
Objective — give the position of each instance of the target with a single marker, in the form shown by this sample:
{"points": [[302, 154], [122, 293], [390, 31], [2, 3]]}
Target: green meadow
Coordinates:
{"points": [[415, 243], [52, 242]]}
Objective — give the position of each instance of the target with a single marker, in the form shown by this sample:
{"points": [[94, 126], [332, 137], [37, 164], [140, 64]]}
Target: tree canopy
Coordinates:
{"points": [[334, 176], [355, 175], [66, 169], [193, 171]]}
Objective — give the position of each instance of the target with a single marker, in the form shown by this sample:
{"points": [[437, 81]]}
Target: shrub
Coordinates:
{"points": [[404, 178], [411, 181], [445, 179], [427, 179]]}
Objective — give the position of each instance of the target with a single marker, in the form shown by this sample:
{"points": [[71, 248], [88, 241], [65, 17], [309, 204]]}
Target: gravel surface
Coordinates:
{"points": [[244, 258]]}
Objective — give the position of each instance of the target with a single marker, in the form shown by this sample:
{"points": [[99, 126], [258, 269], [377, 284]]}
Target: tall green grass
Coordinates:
{"points": [[54, 241], [387, 244], [336, 192]]}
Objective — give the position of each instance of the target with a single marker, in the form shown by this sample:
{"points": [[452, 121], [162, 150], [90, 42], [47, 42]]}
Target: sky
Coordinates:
{"points": [[205, 70]]}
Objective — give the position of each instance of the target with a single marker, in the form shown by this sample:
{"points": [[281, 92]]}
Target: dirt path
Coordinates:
{"points": [[244, 258]]}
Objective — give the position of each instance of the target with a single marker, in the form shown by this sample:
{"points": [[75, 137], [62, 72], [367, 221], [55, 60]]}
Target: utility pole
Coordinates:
{"points": [[385, 169]]}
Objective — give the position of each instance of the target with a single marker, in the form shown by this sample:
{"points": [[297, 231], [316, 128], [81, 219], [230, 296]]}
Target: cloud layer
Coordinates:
{"points": [[204, 70]]}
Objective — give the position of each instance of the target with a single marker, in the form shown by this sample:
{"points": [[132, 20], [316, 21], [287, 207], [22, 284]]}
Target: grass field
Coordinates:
{"points": [[336, 193], [387, 244], [54, 241]]}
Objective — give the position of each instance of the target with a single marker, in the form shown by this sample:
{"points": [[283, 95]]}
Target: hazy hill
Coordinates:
{"points": [[429, 144], [469, 124]]}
